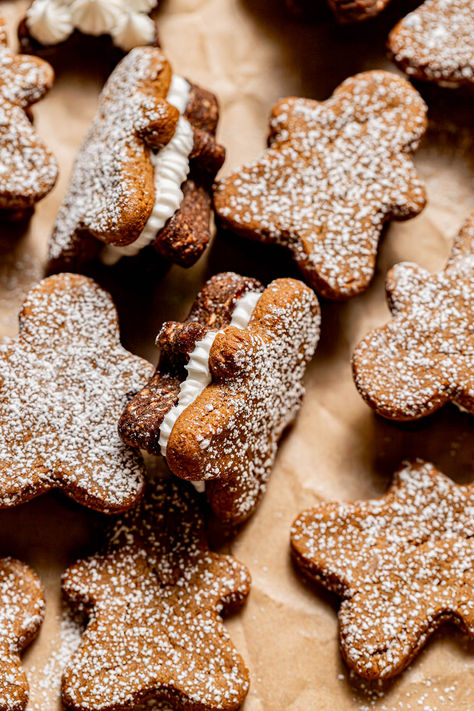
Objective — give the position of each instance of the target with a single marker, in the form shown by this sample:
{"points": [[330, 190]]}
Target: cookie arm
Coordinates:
{"points": [[408, 194], [463, 245], [155, 121], [392, 380], [37, 77], [402, 283], [232, 582]]}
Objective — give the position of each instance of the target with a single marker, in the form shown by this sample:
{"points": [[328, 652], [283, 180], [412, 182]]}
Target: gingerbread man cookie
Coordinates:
{"points": [[245, 350], [21, 615], [29, 169], [403, 565], [63, 384], [435, 42], [154, 600], [144, 172], [334, 173], [424, 356]]}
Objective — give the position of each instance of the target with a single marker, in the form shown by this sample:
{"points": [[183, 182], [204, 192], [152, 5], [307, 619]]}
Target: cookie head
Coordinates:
{"points": [[155, 597], [64, 381], [434, 43], [29, 169], [403, 565], [237, 384], [21, 614], [333, 174], [424, 357]]}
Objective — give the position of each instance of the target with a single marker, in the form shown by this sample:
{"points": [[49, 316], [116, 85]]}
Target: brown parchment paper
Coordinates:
{"points": [[250, 53]]}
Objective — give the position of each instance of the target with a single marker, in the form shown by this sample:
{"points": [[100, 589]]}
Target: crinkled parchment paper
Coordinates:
{"points": [[250, 54]]}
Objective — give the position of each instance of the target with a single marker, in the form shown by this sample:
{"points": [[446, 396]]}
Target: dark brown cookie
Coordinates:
{"points": [[345, 11], [21, 615], [143, 175], [334, 173], [63, 383], [154, 601], [29, 169], [424, 356], [403, 565]]}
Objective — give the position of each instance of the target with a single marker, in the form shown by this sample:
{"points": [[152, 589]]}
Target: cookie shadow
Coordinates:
{"points": [[310, 45], [445, 438]]}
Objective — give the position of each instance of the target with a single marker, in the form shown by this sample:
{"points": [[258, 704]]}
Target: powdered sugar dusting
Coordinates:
{"points": [[335, 172], [233, 427], [111, 192], [403, 565], [424, 356], [64, 383], [435, 42], [154, 601]]}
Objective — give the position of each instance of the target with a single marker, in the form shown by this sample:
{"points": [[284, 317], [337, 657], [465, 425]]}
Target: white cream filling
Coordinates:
{"points": [[199, 376], [127, 21], [171, 167]]}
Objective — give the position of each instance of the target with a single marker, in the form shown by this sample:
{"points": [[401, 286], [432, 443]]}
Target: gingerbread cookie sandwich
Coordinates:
{"points": [[435, 43], [154, 600], [64, 381], [29, 169], [229, 381], [424, 357], [21, 615], [403, 565], [48, 23], [335, 172], [143, 175]]}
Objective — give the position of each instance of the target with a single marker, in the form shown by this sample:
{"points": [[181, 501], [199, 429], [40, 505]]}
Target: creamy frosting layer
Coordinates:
{"points": [[126, 21], [171, 167], [199, 376]]}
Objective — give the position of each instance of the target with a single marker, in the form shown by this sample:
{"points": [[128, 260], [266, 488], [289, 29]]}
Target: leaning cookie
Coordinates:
{"points": [[435, 43], [48, 23], [143, 175], [21, 615], [424, 357], [64, 381], [28, 168], [154, 600], [334, 173], [229, 381], [403, 565]]}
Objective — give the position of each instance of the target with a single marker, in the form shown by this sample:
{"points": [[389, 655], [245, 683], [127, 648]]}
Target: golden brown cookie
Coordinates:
{"points": [[29, 169], [435, 42], [21, 615], [334, 173], [403, 565], [63, 384], [245, 350], [143, 174], [154, 601], [424, 356]]}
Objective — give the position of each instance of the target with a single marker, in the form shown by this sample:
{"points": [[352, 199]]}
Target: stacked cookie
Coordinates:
{"points": [[80, 414]]}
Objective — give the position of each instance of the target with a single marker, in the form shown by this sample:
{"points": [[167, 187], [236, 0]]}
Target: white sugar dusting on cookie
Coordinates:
{"points": [[402, 564], [435, 42], [334, 173], [64, 382], [155, 597]]}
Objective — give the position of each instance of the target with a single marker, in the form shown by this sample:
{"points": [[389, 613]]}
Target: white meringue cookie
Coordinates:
{"points": [[133, 29], [49, 21], [96, 17]]}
